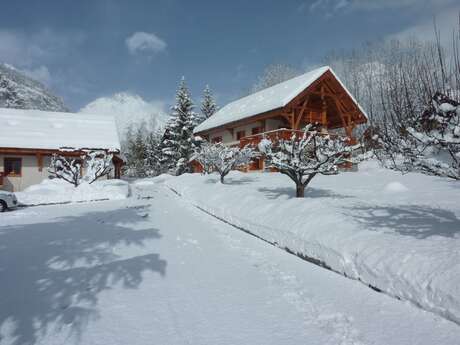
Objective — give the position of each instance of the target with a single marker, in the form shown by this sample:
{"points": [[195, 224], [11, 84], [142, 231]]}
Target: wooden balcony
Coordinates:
{"points": [[280, 134]]}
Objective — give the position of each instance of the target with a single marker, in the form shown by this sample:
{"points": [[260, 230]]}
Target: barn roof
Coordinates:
{"points": [[36, 129], [274, 97]]}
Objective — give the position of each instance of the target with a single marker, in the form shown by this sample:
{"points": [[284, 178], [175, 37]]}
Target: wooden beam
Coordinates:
{"points": [[302, 110], [329, 94], [339, 110], [40, 162]]}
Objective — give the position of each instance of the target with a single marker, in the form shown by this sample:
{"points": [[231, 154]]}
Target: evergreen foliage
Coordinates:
{"points": [[208, 104], [178, 143]]}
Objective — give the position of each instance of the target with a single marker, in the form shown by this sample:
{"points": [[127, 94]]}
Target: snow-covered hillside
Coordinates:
{"points": [[128, 108], [22, 92], [397, 233]]}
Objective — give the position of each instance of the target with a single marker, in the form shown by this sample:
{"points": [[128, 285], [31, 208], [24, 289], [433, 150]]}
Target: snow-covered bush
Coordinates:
{"points": [[70, 169], [221, 158], [302, 158], [96, 164], [428, 143]]}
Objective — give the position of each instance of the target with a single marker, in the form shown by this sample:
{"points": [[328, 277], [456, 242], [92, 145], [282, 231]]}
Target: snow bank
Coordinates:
{"points": [[398, 233], [58, 191]]}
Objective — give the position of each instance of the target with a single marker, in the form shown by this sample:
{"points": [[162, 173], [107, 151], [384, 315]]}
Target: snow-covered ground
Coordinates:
{"points": [[152, 269], [398, 233], [59, 191]]}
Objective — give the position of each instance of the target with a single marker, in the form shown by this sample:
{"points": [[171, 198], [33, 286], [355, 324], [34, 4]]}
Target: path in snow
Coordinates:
{"points": [[158, 271]]}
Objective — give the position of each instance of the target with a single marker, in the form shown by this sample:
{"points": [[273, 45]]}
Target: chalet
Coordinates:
{"points": [[276, 112], [28, 139]]}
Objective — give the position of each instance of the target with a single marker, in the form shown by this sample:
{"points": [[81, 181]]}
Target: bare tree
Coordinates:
{"points": [[419, 97], [302, 158], [97, 164], [429, 143], [274, 74], [221, 158], [67, 169]]}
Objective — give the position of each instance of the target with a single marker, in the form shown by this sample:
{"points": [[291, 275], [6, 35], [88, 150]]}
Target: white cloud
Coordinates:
{"points": [[24, 49], [145, 43], [33, 52], [129, 108], [41, 73], [446, 23], [330, 7]]}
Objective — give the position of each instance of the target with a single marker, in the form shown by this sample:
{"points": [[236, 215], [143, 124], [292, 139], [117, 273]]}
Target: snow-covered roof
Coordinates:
{"points": [[36, 129], [271, 98]]}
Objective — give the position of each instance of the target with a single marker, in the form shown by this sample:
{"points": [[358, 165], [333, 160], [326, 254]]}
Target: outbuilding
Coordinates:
{"points": [[29, 138]]}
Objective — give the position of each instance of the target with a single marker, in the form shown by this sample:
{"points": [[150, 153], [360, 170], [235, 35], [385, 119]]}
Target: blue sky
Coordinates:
{"points": [[87, 49]]}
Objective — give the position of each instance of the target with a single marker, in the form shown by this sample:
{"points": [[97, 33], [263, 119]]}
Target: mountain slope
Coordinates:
{"points": [[21, 92]]}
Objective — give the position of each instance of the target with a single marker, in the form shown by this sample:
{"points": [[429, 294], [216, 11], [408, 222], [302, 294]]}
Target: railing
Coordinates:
{"points": [[281, 134]]}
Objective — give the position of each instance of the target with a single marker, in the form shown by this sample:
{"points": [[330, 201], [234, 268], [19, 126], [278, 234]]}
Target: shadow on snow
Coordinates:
{"points": [[51, 273], [275, 193], [413, 220], [231, 180]]}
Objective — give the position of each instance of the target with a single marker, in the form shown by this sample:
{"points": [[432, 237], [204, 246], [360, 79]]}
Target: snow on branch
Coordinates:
{"points": [[87, 168], [67, 169], [97, 164], [302, 158], [428, 143], [221, 158]]}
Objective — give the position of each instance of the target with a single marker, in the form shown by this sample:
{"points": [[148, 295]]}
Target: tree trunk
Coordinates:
{"points": [[300, 190], [222, 178]]}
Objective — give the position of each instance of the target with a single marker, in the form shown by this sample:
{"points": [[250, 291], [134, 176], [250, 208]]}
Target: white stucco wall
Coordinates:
{"points": [[30, 173]]}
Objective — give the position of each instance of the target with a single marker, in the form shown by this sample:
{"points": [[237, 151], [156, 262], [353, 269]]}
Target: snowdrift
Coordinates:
{"points": [[58, 191], [397, 233]]}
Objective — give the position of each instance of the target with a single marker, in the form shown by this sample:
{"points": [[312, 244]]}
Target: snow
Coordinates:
{"points": [[395, 187], [36, 129], [127, 109], [447, 107], [268, 99], [398, 233], [59, 191], [19, 90], [159, 271]]}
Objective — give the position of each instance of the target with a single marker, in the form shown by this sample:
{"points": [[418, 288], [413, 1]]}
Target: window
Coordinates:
{"points": [[12, 166], [216, 140], [255, 130], [240, 134]]}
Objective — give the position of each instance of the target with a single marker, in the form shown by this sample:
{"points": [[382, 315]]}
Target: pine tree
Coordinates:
{"points": [[168, 149], [139, 152], [135, 150], [153, 154], [208, 104], [178, 143]]}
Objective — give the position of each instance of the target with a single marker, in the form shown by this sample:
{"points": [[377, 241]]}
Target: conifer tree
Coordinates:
{"points": [[178, 143], [208, 104], [153, 154]]}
